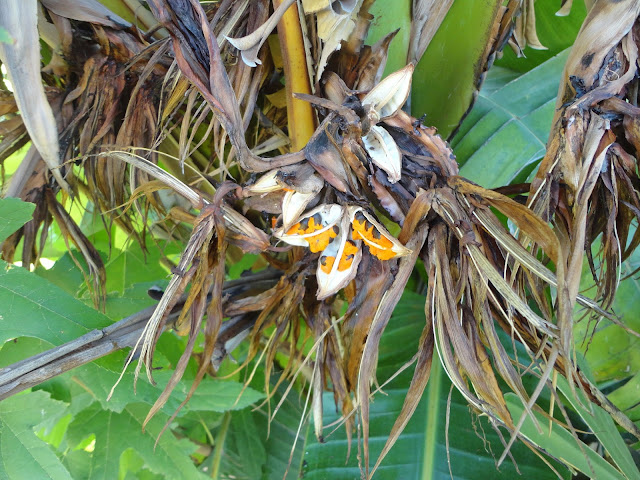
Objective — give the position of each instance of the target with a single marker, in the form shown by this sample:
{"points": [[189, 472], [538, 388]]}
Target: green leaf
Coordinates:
{"points": [[283, 431], [612, 353], [14, 213], [626, 398], [65, 272], [244, 452], [445, 78], [5, 36], [561, 444], [601, 424], [131, 266], [555, 33], [383, 24], [23, 454], [211, 395], [421, 450], [117, 432], [506, 131], [31, 306]]}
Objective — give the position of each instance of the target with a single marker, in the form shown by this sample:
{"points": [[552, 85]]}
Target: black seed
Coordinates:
{"points": [[587, 59]]}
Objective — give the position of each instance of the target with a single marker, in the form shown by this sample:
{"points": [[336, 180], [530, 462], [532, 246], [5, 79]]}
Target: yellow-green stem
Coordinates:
{"points": [[218, 447], [301, 119]]}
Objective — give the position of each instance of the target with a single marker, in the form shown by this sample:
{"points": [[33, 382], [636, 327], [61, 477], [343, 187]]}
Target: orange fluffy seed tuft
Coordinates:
{"points": [[318, 243], [348, 254], [326, 264], [378, 244], [306, 226]]}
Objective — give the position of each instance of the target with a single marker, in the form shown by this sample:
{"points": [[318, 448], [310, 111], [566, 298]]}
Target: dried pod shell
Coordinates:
{"points": [[384, 152], [293, 204], [339, 262], [389, 95], [315, 229]]}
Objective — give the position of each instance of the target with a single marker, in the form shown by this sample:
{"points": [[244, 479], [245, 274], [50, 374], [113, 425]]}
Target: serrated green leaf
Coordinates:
{"points": [[65, 272], [421, 450], [14, 213], [131, 266], [506, 131], [31, 306], [244, 453], [211, 395], [22, 454], [117, 432], [282, 435]]}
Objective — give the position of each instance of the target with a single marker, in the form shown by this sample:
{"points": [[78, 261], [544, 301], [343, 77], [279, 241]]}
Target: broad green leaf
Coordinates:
{"points": [[601, 424], [132, 467], [65, 272], [21, 348], [626, 398], [561, 444], [421, 451], [31, 306], [446, 76], [555, 33], [117, 432], [134, 299], [5, 36], [66, 275], [506, 131], [383, 24], [23, 454], [611, 353], [14, 213]]}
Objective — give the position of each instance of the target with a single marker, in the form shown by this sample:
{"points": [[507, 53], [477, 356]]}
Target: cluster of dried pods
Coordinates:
{"points": [[367, 169]]}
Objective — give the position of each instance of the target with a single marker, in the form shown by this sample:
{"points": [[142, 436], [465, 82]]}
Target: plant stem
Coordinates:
{"points": [[218, 447], [300, 114]]}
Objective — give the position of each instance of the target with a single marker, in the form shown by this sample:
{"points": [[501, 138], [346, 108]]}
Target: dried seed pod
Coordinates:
{"points": [[293, 205], [389, 95], [339, 262], [316, 229], [384, 152]]}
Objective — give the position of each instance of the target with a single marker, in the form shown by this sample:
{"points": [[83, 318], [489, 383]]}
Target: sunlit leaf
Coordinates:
{"points": [[31, 306], [169, 457], [23, 454], [13, 214]]}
